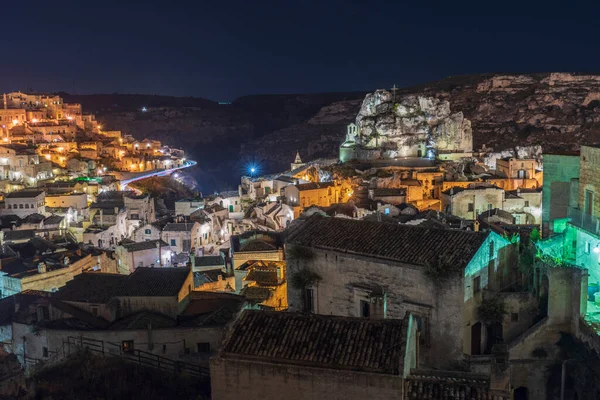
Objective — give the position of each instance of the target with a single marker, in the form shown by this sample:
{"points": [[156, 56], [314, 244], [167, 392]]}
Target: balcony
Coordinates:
{"points": [[584, 221]]}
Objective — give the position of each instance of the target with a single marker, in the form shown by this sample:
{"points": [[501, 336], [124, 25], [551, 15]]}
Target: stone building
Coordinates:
{"points": [[151, 253], [47, 273], [181, 235], [309, 194], [308, 356], [333, 357], [379, 270], [152, 311], [186, 207], [468, 203], [517, 168], [24, 203], [559, 192]]}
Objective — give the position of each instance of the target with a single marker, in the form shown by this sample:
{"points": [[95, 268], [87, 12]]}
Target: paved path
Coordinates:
{"points": [[161, 172]]}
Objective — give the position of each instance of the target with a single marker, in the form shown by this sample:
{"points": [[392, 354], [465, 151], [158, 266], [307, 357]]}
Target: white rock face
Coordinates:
{"points": [[409, 126]]}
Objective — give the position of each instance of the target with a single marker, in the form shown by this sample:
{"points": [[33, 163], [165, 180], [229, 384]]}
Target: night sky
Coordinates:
{"points": [[225, 49]]}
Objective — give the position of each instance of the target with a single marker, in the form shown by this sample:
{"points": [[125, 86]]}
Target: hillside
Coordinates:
{"points": [[557, 110]]}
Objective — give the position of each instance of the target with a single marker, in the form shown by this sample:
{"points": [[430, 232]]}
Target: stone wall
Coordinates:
{"points": [[232, 379], [559, 170], [589, 177], [345, 277]]}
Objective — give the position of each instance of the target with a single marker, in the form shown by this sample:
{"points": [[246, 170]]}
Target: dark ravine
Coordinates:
{"points": [[559, 111]]}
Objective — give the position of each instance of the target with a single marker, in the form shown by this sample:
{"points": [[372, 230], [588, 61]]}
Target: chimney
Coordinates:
{"points": [[42, 268]]}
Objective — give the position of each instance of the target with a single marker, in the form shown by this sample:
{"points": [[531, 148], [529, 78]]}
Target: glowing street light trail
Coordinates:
{"points": [[186, 164]]}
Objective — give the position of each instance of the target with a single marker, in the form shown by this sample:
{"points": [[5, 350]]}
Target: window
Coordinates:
{"points": [[588, 202], [526, 203], [386, 211], [20, 205], [95, 311], [43, 313], [203, 347], [422, 326], [471, 207], [491, 249], [514, 317], [27, 206], [44, 352], [164, 348], [477, 284], [147, 231], [588, 247], [127, 346], [309, 300], [489, 206], [173, 242], [135, 216], [365, 309], [187, 350]]}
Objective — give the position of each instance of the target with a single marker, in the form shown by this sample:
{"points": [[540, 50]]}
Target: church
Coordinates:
{"points": [[411, 127]]}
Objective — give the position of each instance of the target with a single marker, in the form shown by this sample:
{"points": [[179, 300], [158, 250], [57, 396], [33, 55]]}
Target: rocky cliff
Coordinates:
{"points": [[558, 111]]}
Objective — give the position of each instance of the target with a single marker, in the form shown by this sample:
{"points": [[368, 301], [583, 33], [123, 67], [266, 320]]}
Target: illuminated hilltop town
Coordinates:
{"points": [[412, 266]]}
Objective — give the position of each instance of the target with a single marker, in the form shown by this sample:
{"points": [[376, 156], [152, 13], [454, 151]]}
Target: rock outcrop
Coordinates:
{"points": [[557, 111], [390, 126]]}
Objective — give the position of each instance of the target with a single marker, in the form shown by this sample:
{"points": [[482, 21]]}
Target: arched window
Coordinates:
{"points": [[26, 205], [20, 205]]}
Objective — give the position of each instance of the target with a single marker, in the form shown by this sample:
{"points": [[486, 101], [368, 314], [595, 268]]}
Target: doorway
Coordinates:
{"points": [[521, 393], [476, 339]]}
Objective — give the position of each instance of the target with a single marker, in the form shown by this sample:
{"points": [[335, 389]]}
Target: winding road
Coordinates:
{"points": [[161, 172]]}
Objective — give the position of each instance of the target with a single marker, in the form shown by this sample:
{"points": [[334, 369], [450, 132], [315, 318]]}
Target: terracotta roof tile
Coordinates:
{"points": [[403, 243], [324, 341]]}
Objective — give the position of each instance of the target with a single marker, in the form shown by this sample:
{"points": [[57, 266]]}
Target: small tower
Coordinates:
{"points": [[297, 162]]}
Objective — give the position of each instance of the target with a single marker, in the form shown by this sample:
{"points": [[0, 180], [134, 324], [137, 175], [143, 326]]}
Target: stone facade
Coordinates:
{"points": [[559, 172], [260, 380]]}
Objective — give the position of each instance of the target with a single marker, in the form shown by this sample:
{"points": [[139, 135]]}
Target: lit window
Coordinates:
{"points": [[387, 210], [127, 346]]}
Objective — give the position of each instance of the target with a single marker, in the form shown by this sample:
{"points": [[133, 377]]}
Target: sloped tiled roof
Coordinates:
{"points": [[92, 287], [402, 243], [380, 192], [24, 194], [314, 185], [142, 319], [209, 261], [427, 384], [263, 275], [258, 245], [323, 341], [178, 227], [155, 282], [19, 235], [256, 293], [99, 288], [147, 245]]}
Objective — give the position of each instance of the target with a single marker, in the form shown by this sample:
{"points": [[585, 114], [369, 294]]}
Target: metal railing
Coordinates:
{"points": [[584, 221], [140, 357]]}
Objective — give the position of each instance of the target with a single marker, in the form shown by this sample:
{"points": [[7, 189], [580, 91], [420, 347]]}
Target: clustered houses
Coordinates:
{"points": [[151, 312], [390, 277], [44, 139]]}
